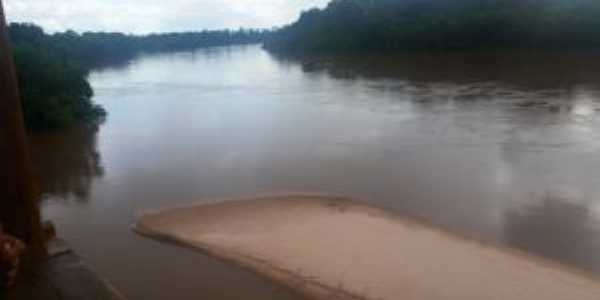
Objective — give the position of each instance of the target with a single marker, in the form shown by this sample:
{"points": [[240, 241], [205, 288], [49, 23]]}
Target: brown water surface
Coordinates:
{"points": [[503, 148]]}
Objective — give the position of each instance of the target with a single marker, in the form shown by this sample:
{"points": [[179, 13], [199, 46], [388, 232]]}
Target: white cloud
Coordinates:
{"points": [[142, 16]]}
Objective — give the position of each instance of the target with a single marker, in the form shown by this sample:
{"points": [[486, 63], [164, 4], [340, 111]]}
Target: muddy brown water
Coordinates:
{"points": [[503, 148]]}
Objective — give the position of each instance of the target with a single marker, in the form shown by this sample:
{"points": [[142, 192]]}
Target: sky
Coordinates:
{"points": [[142, 16]]}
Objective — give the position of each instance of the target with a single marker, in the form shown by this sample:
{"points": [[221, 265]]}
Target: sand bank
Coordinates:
{"points": [[332, 248]]}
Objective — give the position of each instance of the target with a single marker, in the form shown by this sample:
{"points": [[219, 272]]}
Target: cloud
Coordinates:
{"points": [[141, 16]]}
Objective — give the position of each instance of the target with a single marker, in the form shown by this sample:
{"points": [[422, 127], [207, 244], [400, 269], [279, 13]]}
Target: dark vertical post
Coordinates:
{"points": [[19, 209]]}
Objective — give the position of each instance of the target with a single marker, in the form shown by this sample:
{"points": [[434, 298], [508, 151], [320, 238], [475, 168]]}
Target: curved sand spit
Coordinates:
{"points": [[331, 248]]}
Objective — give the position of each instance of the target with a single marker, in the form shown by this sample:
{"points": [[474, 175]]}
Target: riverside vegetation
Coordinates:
{"points": [[53, 68], [391, 25]]}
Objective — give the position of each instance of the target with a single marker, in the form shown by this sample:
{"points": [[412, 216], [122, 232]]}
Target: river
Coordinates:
{"points": [[501, 148]]}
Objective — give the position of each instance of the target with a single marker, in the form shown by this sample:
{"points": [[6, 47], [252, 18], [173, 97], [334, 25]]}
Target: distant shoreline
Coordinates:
{"points": [[429, 25]]}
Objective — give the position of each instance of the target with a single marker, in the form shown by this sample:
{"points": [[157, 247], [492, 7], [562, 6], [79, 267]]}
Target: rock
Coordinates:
{"points": [[49, 230], [11, 250], [57, 247]]}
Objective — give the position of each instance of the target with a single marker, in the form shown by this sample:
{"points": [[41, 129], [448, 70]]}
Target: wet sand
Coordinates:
{"points": [[328, 247]]}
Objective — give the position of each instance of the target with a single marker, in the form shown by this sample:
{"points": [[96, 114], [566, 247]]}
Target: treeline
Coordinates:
{"points": [[97, 48], [391, 25], [54, 88], [53, 68]]}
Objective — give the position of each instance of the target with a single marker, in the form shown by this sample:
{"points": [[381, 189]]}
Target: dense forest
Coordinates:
{"points": [[53, 68], [391, 25], [54, 88], [98, 48]]}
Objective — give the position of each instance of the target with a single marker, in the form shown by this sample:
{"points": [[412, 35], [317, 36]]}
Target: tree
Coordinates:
{"points": [[393, 25]]}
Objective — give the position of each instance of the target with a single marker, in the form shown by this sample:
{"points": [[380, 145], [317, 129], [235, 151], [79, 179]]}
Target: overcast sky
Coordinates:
{"points": [[141, 16]]}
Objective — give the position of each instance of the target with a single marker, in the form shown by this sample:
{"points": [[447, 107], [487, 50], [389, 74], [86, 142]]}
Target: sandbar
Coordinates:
{"points": [[331, 247]]}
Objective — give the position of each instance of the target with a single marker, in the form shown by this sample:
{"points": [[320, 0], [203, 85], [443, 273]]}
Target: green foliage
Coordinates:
{"points": [[384, 25], [53, 69], [54, 88], [99, 48]]}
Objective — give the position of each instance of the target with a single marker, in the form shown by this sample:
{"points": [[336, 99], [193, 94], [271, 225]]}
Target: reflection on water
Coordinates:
{"points": [[66, 163], [557, 228], [526, 70], [499, 147]]}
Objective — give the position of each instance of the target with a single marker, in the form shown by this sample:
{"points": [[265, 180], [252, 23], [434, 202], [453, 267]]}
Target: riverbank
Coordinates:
{"points": [[64, 276], [459, 147], [329, 247]]}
